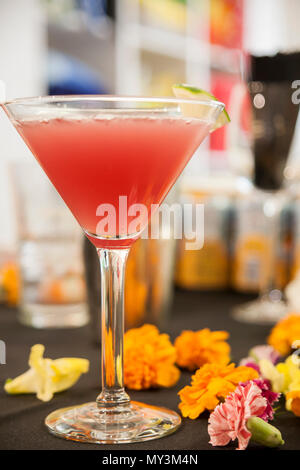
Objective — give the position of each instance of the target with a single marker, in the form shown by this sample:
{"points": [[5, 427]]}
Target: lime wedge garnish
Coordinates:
{"points": [[189, 92]]}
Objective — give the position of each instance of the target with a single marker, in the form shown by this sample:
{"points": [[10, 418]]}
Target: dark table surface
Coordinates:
{"points": [[22, 416]]}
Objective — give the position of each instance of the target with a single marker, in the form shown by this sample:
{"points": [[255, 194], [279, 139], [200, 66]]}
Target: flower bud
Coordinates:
{"points": [[264, 433]]}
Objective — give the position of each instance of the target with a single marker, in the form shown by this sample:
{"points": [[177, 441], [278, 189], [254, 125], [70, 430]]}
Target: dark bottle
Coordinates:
{"points": [[274, 115]]}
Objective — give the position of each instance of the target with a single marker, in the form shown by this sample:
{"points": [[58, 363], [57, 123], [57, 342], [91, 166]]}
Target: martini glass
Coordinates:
{"points": [[111, 159]]}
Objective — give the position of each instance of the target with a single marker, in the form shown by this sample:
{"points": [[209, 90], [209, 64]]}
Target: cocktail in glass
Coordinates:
{"points": [[112, 159]]}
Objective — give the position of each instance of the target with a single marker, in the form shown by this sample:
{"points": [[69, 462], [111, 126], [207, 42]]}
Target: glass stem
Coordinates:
{"points": [[272, 211], [112, 266]]}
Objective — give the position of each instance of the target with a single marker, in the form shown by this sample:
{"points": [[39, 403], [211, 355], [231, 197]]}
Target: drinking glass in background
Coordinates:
{"points": [[274, 117], [53, 292]]}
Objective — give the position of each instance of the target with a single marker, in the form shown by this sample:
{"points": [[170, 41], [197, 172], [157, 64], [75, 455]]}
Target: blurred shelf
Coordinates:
{"points": [[159, 41], [180, 46], [96, 51], [225, 59]]}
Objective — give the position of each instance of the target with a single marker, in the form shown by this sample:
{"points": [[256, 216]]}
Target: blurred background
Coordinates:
{"points": [[142, 47]]}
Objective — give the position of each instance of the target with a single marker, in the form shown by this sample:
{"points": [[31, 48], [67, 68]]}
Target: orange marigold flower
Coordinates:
{"points": [[149, 359], [10, 283], [210, 384], [284, 333], [293, 400], [196, 348]]}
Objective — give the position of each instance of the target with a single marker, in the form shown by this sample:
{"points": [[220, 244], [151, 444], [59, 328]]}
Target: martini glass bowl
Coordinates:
{"points": [[112, 159]]}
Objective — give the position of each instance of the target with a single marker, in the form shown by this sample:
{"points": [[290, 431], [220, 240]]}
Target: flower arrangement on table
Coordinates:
{"points": [[241, 399]]}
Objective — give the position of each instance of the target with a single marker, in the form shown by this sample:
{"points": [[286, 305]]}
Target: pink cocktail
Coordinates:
{"points": [[95, 161]]}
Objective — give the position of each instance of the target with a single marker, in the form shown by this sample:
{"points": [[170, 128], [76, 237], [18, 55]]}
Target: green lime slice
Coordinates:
{"points": [[189, 92]]}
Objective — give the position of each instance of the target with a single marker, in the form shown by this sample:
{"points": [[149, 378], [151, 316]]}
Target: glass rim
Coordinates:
{"points": [[48, 99]]}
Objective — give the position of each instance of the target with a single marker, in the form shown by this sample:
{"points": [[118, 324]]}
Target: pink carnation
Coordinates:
{"points": [[271, 397], [229, 419]]}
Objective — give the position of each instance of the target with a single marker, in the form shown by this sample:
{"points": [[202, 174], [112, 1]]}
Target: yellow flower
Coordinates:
{"points": [[270, 372], [291, 388], [290, 371], [46, 376], [149, 359], [210, 384], [285, 333], [282, 375], [285, 378], [196, 348]]}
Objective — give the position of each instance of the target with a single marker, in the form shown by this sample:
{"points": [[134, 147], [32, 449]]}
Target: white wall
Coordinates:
{"points": [[23, 47], [271, 26]]}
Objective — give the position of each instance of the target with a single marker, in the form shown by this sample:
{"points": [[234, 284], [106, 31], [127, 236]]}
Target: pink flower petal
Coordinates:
{"points": [[228, 420], [271, 397]]}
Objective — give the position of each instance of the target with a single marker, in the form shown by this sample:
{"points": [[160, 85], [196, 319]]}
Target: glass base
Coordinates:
{"points": [[134, 422], [53, 316], [261, 311]]}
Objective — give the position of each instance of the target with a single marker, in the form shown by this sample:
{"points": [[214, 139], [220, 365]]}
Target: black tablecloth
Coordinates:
{"points": [[21, 417]]}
